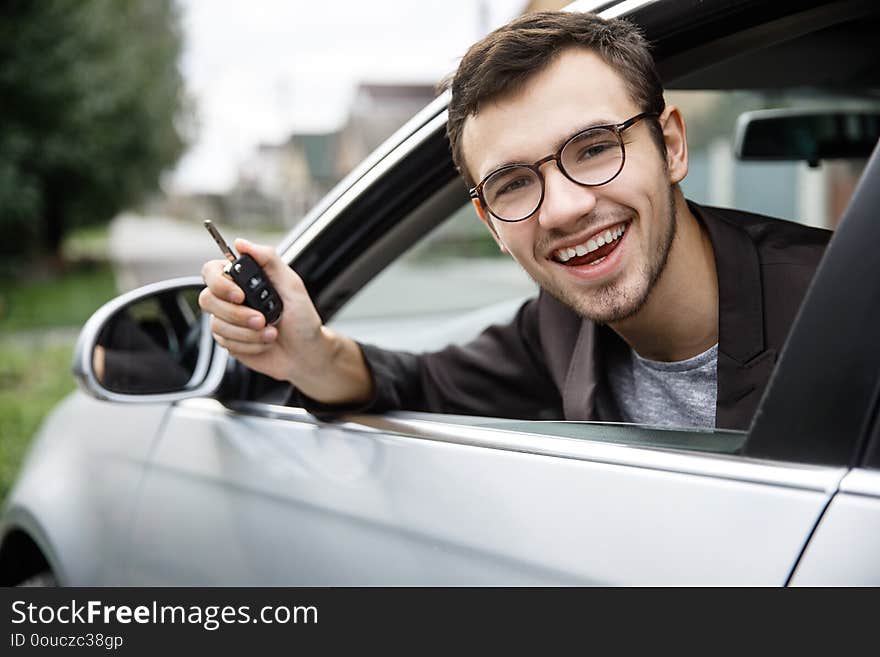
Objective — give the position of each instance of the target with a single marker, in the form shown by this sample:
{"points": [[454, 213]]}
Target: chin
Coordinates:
{"points": [[607, 304]]}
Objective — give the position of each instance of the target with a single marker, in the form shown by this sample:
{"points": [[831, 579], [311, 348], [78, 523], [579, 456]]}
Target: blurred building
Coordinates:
{"points": [[278, 183], [377, 110]]}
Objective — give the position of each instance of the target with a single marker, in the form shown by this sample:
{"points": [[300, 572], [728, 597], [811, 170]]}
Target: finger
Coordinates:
{"points": [[240, 334], [237, 348], [219, 283], [232, 313]]}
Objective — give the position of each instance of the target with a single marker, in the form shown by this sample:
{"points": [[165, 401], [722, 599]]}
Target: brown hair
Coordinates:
{"points": [[504, 60]]}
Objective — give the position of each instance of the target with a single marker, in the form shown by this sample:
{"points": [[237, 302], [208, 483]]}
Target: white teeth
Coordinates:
{"points": [[567, 253], [596, 262]]}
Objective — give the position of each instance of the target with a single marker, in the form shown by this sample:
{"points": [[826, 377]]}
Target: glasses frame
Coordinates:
{"points": [[476, 192]]}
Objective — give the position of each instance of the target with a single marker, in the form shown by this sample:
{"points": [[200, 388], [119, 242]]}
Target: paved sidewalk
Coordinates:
{"points": [[149, 249]]}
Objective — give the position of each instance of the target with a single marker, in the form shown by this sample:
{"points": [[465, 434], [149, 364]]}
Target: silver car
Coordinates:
{"points": [[175, 465]]}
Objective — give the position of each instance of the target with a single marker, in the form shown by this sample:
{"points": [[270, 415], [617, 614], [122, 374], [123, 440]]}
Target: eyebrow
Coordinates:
{"points": [[556, 145]]}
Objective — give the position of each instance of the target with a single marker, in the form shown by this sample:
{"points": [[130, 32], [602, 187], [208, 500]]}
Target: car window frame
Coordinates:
{"points": [[842, 385]]}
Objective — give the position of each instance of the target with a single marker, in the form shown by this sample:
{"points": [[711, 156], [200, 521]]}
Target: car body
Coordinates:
{"points": [[215, 481]]}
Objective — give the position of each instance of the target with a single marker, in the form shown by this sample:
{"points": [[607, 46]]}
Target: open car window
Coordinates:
{"points": [[451, 282]]}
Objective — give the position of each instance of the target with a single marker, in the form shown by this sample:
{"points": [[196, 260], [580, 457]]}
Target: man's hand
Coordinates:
{"points": [[324, 365]]}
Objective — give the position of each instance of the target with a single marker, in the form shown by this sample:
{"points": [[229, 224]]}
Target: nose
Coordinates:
{"points": [[565, 202]]}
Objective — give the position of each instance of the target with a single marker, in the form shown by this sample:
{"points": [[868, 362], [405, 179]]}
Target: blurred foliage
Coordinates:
{"points": [[34, 376], [39, 320], [92, 112]]}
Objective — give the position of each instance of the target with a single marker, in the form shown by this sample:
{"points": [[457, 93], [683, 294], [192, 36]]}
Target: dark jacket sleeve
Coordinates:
{"points": [[501, 373]]}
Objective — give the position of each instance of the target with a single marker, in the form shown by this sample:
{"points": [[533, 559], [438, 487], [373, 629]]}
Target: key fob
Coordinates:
{"points": [[250, 277], [258, 291]]}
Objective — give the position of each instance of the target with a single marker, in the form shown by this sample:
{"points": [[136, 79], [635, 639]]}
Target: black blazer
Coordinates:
{"points": [[547, 362]]}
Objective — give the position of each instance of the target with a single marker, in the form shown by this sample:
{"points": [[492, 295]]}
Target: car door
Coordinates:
{"points": [[246, 490], [267, 495]]}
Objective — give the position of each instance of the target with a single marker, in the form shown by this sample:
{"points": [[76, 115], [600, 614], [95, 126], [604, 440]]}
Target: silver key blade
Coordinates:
{"points": [[224, 247]]}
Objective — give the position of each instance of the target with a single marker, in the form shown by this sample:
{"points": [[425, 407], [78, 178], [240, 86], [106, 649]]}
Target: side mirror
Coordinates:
{"points": [[152, 344], [806, 134]]}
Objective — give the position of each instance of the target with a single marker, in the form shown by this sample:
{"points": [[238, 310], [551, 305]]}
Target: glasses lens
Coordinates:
{"points": [[593, 157], [512, 194]]}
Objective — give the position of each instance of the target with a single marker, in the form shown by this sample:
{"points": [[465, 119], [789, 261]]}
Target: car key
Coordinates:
{"points": [[249, 276]]}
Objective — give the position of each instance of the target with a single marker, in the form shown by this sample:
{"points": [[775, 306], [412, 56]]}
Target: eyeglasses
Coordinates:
{"points": [[590, 158]]}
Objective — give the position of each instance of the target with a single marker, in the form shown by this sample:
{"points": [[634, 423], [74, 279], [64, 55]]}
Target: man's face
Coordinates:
{"points": [[577, 91]]}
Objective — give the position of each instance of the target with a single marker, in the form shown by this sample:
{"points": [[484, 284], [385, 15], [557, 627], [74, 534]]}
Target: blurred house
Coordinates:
{"points": [[376, 111], [279, 183]]}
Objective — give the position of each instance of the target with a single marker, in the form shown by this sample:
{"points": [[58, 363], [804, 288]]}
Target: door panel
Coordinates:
{"points": [[240, 499], [845, 549]]}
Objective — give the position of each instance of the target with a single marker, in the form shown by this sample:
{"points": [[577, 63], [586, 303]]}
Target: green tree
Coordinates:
{"points": [[91, 109]]}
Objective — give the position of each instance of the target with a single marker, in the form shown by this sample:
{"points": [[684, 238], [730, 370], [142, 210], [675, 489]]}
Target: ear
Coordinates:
{"points": [[675, 137], [484, 217]]}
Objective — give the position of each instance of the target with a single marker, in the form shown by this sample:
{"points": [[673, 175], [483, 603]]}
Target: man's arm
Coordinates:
{"points": [[324, 365], [501, 373]]}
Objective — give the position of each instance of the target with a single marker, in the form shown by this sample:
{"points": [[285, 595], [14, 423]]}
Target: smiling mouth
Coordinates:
{"points": [[593, 250]]}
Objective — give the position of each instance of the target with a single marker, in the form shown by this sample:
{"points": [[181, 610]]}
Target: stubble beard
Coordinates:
{"points": [[613, 302]]}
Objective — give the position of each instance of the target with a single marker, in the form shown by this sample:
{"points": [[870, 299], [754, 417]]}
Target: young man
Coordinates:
{"points": [[652, 309]]}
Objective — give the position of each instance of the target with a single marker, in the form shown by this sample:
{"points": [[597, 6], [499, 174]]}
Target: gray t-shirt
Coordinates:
{"points": [[678, 394]]}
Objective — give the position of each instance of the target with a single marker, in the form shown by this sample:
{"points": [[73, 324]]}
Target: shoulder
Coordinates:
{"points": [[765, 264], [777, 241]]}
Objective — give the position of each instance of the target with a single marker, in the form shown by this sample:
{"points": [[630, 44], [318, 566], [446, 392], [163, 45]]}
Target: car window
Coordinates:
{"points": [[815, 196]]}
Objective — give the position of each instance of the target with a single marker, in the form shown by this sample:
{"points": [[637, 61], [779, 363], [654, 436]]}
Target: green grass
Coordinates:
{"points": [[67, 300], [34, 376], [35, 362]]}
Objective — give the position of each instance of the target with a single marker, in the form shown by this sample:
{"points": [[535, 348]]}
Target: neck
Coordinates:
{"points": [[680, 317]]}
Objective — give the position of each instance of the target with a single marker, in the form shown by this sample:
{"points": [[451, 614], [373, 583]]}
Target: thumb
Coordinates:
{"points": [[265, 256]]}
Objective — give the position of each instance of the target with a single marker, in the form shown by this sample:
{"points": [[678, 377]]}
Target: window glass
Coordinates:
{"points": [[715, 441]]}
